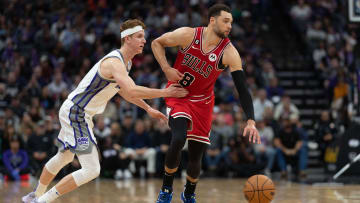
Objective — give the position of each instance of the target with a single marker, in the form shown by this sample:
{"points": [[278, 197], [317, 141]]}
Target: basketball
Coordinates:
{"points": [[259, 189]]}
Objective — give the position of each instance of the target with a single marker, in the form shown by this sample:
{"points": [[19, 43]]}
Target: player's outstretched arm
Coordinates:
{"points": [[153, 113], [181, 37], [232, 59], [118, 71]]}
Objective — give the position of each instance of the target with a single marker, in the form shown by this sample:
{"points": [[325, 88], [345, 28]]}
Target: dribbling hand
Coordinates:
{"points": [[176, 90], [172, 74], [253, 132]]}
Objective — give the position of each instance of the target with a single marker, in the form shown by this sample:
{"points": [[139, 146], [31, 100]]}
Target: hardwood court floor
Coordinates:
{"points": [[208, 191]]}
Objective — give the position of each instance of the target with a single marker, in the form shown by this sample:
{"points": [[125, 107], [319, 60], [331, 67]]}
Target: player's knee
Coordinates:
{"points": [[93, 171], [178, 139]]}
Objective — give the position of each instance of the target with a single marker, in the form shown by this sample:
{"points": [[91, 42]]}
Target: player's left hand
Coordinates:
{"points": [[253, 132], [153, 113]]}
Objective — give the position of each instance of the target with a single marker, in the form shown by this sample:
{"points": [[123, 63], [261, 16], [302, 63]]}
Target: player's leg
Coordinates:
{"points": [[51, 168], [90, 169], [179, 128], [196, 152], [172, 160]]}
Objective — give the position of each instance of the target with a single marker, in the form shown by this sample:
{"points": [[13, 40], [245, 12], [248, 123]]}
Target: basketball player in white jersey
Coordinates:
{"points": [[106, 78]]}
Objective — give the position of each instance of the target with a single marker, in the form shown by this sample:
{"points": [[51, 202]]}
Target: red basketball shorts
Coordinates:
{"points": [[198, 111]]}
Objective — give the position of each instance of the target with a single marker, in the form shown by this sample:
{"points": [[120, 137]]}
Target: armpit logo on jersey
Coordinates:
{"points": [[212, 57]]}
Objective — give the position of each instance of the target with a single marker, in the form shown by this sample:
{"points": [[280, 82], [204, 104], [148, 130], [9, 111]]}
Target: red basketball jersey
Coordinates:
{"points": [[200, 69]]}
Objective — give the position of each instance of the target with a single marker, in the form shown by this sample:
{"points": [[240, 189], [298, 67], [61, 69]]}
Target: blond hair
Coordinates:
{"points": [[130, 24]]}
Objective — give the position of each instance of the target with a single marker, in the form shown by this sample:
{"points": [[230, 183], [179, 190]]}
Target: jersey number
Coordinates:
{"points": [[187, 80]]}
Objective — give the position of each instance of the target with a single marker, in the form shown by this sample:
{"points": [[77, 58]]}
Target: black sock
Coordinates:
{"points": [[189, 189], [168, 181]]}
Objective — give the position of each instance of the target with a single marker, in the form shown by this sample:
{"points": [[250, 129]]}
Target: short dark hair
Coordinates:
{"points": [[216, 9]]}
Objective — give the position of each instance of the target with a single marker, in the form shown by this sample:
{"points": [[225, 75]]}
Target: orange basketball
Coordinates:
{"points": [[259, 189]]}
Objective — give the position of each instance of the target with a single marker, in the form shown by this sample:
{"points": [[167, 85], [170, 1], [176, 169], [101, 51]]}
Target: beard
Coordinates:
{"points": [[220, 34]]}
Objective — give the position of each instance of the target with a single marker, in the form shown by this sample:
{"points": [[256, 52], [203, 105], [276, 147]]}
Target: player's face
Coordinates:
{"points": [[222, 25], [137, 41]]}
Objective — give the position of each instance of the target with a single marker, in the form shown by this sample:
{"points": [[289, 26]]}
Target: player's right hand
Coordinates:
{"points": [[176, 90], [172, 74]]}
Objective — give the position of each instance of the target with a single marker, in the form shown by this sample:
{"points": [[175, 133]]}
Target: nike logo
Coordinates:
{"points": [[194, 47]]}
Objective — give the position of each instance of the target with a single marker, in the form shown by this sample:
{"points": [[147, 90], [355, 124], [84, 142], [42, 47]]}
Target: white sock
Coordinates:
{"points": [[49, 196], [40, 189]]}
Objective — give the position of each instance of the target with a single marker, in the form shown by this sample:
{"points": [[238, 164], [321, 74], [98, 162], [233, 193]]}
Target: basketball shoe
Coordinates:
{"points": [[29, 197], [164, 196], [36, 201], [188, 200]]}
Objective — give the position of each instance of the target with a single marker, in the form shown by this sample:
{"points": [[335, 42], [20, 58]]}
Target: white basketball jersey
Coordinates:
{"points": [[94, 91]]}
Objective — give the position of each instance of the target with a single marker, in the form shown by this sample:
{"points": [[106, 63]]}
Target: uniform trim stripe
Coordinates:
{"points": [[87, 88], [200, 137], [183, 116], [82, 128], [90, 136], [106, 84], [122, 59], [220, 56], [90, 92], [201, 49], [198, 140], [62, 143], [177, 113], [92, 85], [188, 47], [96, 85], [197, 100], [73, 130]]}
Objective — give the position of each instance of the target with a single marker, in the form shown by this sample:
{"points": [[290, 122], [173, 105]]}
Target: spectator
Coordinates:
{"points": [[15, 160], [114, 159], [214, 153], [326, 132], [139, 141], [301, 14], [274, 91], [161, 141], [101, 130], [260, 103], [265, 150], [27, 126], [240, 158], [9, 132], [57, 85], [288, 143], [5, 98], [39, 146], [127, 124], [286, 109]]}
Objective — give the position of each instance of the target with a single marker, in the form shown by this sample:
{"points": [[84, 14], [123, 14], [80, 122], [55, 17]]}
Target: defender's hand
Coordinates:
{"points": [[175, 90], [153, 113]]}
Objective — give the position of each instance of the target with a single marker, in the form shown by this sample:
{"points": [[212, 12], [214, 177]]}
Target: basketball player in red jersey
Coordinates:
{"points": [[204, 52]]}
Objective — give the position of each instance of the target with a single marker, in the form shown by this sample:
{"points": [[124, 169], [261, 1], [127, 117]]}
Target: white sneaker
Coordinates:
{"points": [[119, 174], [36, 201], [29, 197], [127, 174]]}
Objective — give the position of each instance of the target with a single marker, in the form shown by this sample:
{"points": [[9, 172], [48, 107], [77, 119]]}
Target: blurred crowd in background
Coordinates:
{"points": [[46, 47]]}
